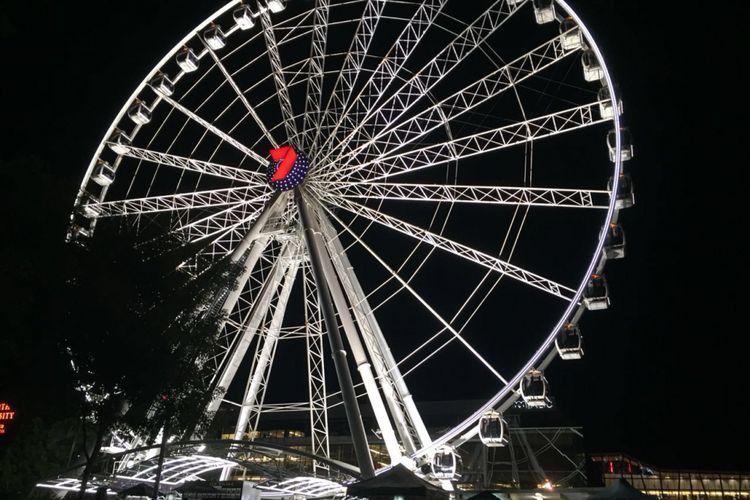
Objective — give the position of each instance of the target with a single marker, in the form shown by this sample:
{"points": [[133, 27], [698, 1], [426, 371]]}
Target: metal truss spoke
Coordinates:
{"points": [[212, 128], [353, 62], [523, 196], [458, 249], [316, 380], [421, 300], [431, 73], [278, 75], [482, 142], [315, 73], [241, 96], [193, 165], [263, 360], [188, 201], [216, 224], [391, 64], [239, 345], [471, 96]]}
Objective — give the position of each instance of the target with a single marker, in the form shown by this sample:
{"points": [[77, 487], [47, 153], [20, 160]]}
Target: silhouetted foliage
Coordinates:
{"points": [[139, 333]]}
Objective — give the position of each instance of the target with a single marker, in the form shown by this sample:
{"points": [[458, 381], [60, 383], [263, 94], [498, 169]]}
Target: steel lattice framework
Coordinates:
{"points": [[444, 139]]}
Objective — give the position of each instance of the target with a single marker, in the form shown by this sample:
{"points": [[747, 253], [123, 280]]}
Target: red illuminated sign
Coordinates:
{"points": [[6, 414], [287, 155]]}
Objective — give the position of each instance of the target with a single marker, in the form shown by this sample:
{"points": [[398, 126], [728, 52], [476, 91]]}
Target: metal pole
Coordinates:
{"points": [[160, 465], [353, 416]]}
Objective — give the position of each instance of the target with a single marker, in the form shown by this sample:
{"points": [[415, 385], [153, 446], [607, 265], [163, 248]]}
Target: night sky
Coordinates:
{"points": [[663, 378]]}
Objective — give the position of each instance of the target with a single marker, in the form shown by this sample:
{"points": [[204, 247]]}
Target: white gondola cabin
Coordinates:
{"points": [[119, 142], [77, 232], [276, 6], [596, 293], [139, 113], [535, 389], [163, 84], [606, 106], [614, 243], [625, 196], [571, 37], [243, 16], [187, 60], [103, 173], [592, 70], [569, 342], [544, 11], [444, 464], [88, 206], [626, 145], [493, 430], [215, 38]]}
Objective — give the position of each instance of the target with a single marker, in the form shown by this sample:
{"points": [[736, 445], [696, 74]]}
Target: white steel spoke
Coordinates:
{"points": [[471, 96], [431, 73], [544, 197], [277, 70], [241, 96], [315, 72], [200, 166], [391, 64], [188, 201], [353, 62], [213, 129], [482, 142], [420, 299], [458, 249]]}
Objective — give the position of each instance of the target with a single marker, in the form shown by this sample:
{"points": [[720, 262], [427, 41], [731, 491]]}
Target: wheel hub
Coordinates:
{"points": [[287, 168]]}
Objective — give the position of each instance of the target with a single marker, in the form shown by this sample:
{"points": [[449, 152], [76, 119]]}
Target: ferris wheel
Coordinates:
{"points": [[427, 191]]}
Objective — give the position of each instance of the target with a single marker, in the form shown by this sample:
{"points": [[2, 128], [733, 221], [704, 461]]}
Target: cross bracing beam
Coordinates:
{"points": [[193, 165], [482, 142], [431, 73], [458, 249], [494, 84], [543, 197]]}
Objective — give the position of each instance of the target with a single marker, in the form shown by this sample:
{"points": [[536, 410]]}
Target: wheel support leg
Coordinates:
{"points": [[353, 415]]}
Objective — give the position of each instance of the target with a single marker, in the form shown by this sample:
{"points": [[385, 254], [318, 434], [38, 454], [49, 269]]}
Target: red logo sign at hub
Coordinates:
{"points": [[287, 168]]}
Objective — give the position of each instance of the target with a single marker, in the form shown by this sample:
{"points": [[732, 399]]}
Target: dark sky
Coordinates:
{"points": [[663, 379]]}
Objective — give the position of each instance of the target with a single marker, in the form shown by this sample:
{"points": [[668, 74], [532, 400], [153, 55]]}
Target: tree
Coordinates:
{"points": [[138, 332]]}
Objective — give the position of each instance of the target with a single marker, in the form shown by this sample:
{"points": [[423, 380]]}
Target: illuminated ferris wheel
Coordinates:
{"points": [[427, 191]]}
